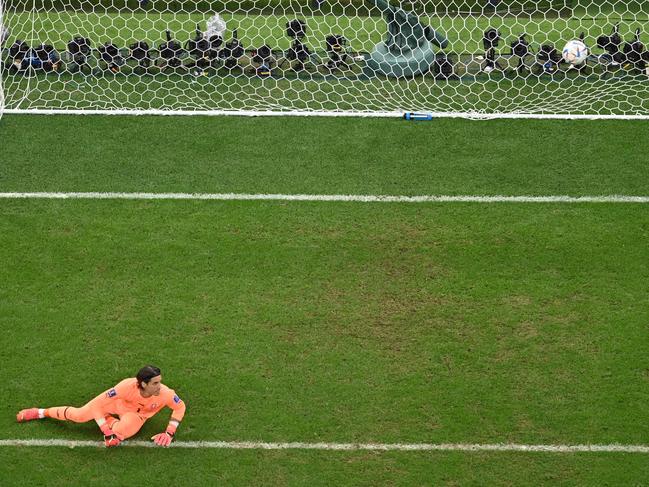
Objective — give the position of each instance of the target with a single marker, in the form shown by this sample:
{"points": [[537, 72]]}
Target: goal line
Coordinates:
{"points": [[469, 115], [332, 197]]}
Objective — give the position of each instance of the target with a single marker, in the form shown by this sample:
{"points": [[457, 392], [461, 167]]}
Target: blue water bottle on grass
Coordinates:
{"points": [[417, 116]]}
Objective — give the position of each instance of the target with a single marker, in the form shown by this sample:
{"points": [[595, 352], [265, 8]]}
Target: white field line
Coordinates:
{"points": [[305, 113], [253, 445], [334, 197]]}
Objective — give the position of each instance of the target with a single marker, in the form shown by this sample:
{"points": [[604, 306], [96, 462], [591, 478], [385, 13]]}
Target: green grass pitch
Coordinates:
{"points": [[328, 322]]}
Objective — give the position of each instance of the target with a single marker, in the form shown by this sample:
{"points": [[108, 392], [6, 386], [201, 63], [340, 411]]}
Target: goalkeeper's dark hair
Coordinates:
{"points": [[147, 373]]}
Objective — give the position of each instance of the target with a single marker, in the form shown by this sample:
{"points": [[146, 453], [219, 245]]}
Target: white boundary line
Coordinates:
{"points": [[253, 445], [200, 113], [333, 197], [305, 113]]}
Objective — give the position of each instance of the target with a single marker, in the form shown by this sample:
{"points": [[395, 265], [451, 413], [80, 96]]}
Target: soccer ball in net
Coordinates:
{"points": [[575, 52]]}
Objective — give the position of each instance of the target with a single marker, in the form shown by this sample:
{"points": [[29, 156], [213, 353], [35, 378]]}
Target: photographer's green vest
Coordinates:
{"points": [[406, 50]]}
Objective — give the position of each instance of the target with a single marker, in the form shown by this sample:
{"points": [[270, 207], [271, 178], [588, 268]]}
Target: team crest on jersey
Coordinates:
{"points": [[111, 393], [176, 399], [154, 405]]}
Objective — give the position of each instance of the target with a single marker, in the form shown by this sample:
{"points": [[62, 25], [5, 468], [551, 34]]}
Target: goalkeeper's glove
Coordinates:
{"points": [[165, 439], [110, 437]]}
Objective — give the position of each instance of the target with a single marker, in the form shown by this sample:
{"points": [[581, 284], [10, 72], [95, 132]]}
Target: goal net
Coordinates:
{"points": [[473, 58]]}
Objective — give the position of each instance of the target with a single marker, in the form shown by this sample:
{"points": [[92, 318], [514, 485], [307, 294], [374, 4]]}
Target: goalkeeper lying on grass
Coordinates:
{"points": [[133, 400]]}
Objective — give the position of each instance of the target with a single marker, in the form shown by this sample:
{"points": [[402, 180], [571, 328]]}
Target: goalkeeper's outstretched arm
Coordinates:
{"points": [[178, 408]]}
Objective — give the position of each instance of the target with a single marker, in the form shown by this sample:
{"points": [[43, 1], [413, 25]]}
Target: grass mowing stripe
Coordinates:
{"points": [[256, 445], [333, 197], [181, 466], [323, 156]]}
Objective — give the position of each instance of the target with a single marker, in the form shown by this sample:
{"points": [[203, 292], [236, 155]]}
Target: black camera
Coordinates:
{"points": [[110, 55], [198, 47], [215, 42], [336, 45], [490, 40], [263, 55], [634, 53], [298, 54], [521, 49], [170, 51], [140, 52], [443, 67], [296, 29], [548, 58], [45, 58], [611, 44], [232, 51], [18, 57], [203, 50], [263, 58], [79, 48]]}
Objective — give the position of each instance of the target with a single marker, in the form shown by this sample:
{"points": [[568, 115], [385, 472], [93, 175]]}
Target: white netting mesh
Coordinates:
{"points": [[472, 57], [4, 35]]}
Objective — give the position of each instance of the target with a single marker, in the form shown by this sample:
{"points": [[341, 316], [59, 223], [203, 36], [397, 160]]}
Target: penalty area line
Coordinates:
{"points": [[251, 445], [332, 197]]}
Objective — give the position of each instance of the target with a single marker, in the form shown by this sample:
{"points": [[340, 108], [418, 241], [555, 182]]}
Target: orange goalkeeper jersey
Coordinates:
{"points": [[125, 397]]}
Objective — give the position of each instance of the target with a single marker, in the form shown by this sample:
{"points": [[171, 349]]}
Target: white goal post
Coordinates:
{"points": [[469, 58]]}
